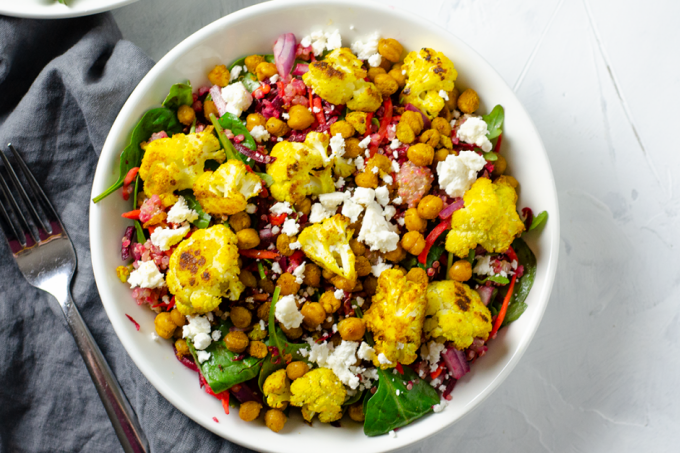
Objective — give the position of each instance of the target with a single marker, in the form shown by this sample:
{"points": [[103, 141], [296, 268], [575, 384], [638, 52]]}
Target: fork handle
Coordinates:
{"points": [[122, 416]]}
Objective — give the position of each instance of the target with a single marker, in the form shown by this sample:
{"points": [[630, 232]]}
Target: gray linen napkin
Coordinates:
{"points": [[62, 84]]}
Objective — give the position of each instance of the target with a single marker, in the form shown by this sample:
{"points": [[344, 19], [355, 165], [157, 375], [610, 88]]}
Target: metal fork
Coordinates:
{"points": [[45, 255]]}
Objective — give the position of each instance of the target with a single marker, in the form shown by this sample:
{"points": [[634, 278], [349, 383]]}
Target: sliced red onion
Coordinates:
{"points": [[255, 155], [126, 247], [266, 234], [485, 294], [450, 209], [449, 388], [243, 393], [455, 362], [236, 329], [216, 94], [284, 54], [426, 120], [133, 321], [300, 69]]}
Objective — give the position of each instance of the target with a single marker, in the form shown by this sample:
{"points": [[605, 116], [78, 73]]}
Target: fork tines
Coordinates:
{"points": [[24, 230]]}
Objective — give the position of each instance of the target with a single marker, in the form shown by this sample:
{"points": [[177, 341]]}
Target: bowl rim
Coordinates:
{"points": [[196, 38], [56, 11]]}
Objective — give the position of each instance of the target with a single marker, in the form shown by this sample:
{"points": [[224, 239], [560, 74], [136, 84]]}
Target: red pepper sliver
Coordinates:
{"points": [[132, 215], [260, 254], [504, 308], [131, 175], [497, 148], [432, 237], [369, 118], [435, 374], [225, 403], [399, 368], [319, 115], [133, 321], [384, 122], [277, 219]]}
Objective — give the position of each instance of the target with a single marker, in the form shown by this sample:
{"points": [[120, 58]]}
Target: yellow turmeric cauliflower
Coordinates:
{"points": [[489, 218], [319, 392], [396, 318], [203, 269], [301, 169], [327, 244], [171, 164], [276, 389], [227, 190], [455, 312], [339, 79], [427, 73]]}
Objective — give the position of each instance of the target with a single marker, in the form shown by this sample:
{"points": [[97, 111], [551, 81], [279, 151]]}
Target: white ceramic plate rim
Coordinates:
{"points": [[36, 9], [539, 296]]}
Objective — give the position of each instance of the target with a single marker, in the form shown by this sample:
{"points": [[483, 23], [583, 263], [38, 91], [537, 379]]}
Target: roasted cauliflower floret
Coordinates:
{"points": [[396, 318], [226, 190], [489, 218], [456, 313], [319, 392], [171, 164], [203, 269], [339, 79], [327, 244], [276, 389], [301, 169], [427, 73]]}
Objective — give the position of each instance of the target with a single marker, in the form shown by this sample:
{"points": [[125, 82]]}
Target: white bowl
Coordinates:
{"points": [[253, 30], [52, 9]]}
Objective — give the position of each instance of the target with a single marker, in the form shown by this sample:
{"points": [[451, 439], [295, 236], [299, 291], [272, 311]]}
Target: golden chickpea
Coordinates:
{"points": [[396, 255], [362, 266], [461, 271], [386, 84], [430, 137], [358, 121], [390, 49], [413, 221], [219, 76], [276, 127], [265, 70], [468, 101], [304, 206], [186, 115], [414, 120], [267, 285], [239, 221], [358, 287], [385, 64], [252, 61], [164, 325], [420, 154], [275, 419], [263, 310], [343, 128], [500, 166], [405, 134], [445, 142], [312, 275], [257, 333], [328, 302], [445, 114], [417, 275], [241, 317], [381, 161], [178, 318], [283, 245], [452, 103], [509, 180], [370, 284], [373, 72], [249, 411], [247, 239], [397, 75], [352, 329], [413, 242], [356, 412], [430, 206], [367, 179], [442, 126], [343, 284], [441, 154], [257, 349], [357, 247], [291, 334], [352, 148], [325, 273], [296, 370], [300, 117], [255, 119], [182, 348], [287, 284], [236, 341], [209, 108]]}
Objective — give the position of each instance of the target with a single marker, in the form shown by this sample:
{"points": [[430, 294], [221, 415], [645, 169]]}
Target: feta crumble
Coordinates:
{"points": [[474, 131], [203, 356], [339, 294], [274, 78], [365, 352], [384, 360], [281, 208], [437, 408], [146, 275], [299, 273], [382, 194], [235, 73], [287, 313], [237, 97], [444, 95], [337, 144], [363, 144], [180, 212], [290, 227], [260, 134], [295, 245], [276, 268], [431, 352], [376, 231], [374, 60], [251, 208], [364, 50], [164, 238], [202, 341], [216, 335], [457, 173]]}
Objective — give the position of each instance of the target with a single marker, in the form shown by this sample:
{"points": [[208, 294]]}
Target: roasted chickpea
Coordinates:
{"points": [[252, 61], [352, 148], [420, 154], [357, 247], [352, 329], [219, 76], [430, 137], [373, 72], [255, 119], [304, 206], [370, 284], [362, 266], [442, 126], [267, 285], [390, 49], [396, 255], [441, 154], [358, 121], [186, 115], [265, 70], [414, 120], [239, 221], [445, 142], [178, 318], [445, 114], [300, 117], [468, 101], [296, 370], [263, 310], [452, 103], [241, 317], [417, 275], [381, 161], [385, 64], [325, 273], [276, 127], [343, 284], [499, 166], [366, 179], [430, 206], [329, 302], [283, 244], [413, 242], [249, 411], [358, 287], [386, 84], [164, 325], [312, 275], [343, 128], [413, 221], [397, 75], [182, 348], [356, 412], [291, 334], [461, 271], [405, 134], [314, 314], [257, 349], [236, 341], [287, 284], [257, 333], [247, 238], [275, 419], [209, 108], [509, 180]]}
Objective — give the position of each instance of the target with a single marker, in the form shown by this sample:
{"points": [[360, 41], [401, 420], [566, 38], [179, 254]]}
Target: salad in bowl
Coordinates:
{"points": [[326, 227]]}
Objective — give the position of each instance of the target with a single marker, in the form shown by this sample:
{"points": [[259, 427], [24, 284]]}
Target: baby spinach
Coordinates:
{"points": [[240, 62], [496, 279], [222, 371], [354, 398], [229, 149], [236, 126], [494, 122], [141, 238], [204, 218], [539, 220], [490, 156], [436, 251], [526, 258], [180, 94], [155, 120], [386, 410], [268, 180]]}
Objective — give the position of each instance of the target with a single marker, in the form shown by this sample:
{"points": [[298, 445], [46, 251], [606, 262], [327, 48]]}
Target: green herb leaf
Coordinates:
{"points": [[490, 156], [249, 81], [204, 218], [436, 251], [471, 256], [240, 62], [180, 94], [539, 220], [268, 180], [141, 238], [234, 124], [155, 120], [354, 398], [496, 279], [386, 411], [523, 285], [494, 122]]}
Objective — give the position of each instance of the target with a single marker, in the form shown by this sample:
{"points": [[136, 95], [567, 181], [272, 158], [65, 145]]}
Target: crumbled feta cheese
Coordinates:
{"points": [[395, 166], [251, 208], [340, 183], [337, 144], [364, 50], [203, 356], [290, 227], [198, 325], [276, 230], [398, 392], [340, 359], [360, 301], [237, 97], [180, 212], [378, 268], [333, 40], [295, 245], [155, 337], [483, 266], [374, 60], [285, 116], [339, 294], [274, 78], [316, 109], [332, 200], [365, 352], [359, 162], [474, 131], [263, 326], [260, 134], [164, 238], [389, 212], [146, 275], [363, 195], [437, 408], [444, 95], [397, 201], [382, 194], [387, 179], [393, 434], [235, 73], [287, 312], [202, 341], [281, 208], [352, 210], [320, 41], [363, 144], [395, 144], [216, 335], [457, 173], [276, 268], [401, 221], [375, 170], [299, 273], [431, 352], [319, 213], [377, 232]]}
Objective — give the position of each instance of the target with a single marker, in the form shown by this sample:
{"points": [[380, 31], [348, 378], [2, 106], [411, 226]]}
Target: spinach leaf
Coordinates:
{"points": [[141, 238], [234, 124], [180, 94], [494, 122], [386, 411], [436, 251], [222, 371], [354, 398], [539, 220], [496, 279], [410, 262], [490, 156], [240, 62], [523, 285], [249, 81], [268, 180], [155, 120], [203, 220], [229, 149]]}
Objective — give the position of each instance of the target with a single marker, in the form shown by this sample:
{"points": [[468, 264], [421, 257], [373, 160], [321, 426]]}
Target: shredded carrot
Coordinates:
{"points": [[504, 308], [132, 215], [435, 374]]}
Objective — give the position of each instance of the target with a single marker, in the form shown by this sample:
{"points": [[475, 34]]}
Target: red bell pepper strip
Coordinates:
{"points": [[277, 219], [259, 254], [435, 374], [497, 148], [384, 122], [432, 237], [130, 177], [132, 215], [319, 115], [399, 368], [504, 308], [369, 125], [260, 92]]}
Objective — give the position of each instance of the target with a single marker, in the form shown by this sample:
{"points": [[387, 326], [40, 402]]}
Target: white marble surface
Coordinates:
{"points": [[600, 79]]}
